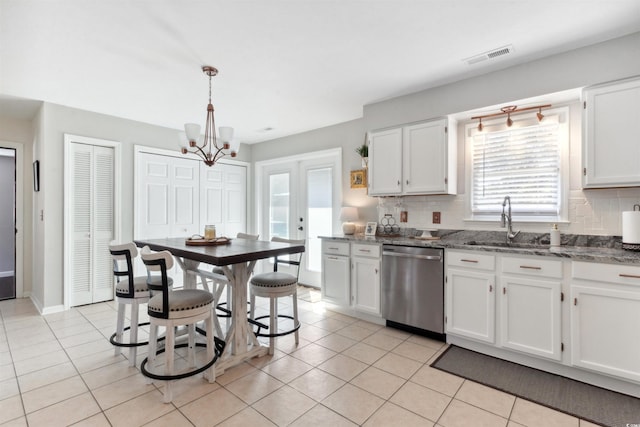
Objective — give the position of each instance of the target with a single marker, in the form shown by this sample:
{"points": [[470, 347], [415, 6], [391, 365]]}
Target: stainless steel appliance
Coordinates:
{"points": [[413, 287]]}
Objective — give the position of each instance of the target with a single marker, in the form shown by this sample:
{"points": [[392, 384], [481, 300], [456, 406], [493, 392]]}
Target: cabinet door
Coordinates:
{"points": [[366, 285], [425, 158], [610, 157], [470, 304], [605, 330], [530, 316], [335, 279], [385, 162]]}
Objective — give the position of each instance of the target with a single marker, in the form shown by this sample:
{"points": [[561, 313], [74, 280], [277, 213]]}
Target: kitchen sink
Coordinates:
{"points": [[507, 245]]}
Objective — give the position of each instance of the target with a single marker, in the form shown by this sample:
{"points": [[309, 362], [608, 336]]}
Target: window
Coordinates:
{"points": [[523, 162]]}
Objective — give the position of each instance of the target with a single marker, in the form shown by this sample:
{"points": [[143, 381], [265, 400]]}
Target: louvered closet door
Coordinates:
{"points": [[91, 207]]}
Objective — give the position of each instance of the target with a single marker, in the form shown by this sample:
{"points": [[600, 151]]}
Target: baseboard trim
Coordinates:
{"points": [[46, 310]]}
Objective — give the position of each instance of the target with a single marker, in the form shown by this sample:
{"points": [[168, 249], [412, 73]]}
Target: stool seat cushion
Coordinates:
{"points": [[139, 287], [181, 300], [273, 279], [218, 270]]}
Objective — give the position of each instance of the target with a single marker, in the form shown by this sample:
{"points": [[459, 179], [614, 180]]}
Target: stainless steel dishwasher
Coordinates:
{"points": [[413, 287]]}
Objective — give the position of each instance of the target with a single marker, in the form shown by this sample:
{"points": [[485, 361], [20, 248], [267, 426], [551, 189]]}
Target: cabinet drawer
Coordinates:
{"points": [[611, 273], [372, 251], [532, 266], [335, 248], [471, 260]]}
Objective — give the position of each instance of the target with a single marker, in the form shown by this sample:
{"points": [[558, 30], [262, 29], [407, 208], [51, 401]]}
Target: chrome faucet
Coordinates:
{"points": [[505, 220]]}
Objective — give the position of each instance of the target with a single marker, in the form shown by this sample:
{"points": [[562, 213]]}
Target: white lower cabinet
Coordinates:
{"points": [[336, 272], [530, 306], [365, 276], [470, 295], [605, 319], [351, 277]]}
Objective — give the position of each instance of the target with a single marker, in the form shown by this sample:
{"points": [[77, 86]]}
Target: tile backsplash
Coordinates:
{"points": [[595, 212]]}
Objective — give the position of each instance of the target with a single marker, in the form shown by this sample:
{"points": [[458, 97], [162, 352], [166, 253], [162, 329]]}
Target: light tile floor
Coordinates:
{"points": [[60, 369]]}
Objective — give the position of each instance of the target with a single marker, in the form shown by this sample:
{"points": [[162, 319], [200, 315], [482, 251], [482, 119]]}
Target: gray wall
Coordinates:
{"points": [[599, 63], [58, 120], [348, 135], [611, 60], [602, 62]]}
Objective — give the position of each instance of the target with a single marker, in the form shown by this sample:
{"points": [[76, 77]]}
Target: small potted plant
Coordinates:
{"points": [[363, 151]]}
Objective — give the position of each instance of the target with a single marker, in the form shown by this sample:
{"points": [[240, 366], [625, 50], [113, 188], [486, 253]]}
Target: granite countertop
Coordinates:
{"points": [[605, 249]]}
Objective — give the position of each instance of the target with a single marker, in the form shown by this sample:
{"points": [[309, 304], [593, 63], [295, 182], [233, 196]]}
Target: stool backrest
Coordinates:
{"points": [[123, 255], [294, 259], [158, 261], [247, 236]]}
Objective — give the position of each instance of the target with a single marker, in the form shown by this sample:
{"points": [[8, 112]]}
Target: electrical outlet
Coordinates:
{"points": [[436, 218]]}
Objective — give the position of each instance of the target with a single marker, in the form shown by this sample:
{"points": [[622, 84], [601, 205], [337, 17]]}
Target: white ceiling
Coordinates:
{"points": [[289, 65]]}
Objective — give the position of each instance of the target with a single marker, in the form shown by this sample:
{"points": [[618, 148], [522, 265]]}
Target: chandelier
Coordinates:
{"points": [[209, 151]]}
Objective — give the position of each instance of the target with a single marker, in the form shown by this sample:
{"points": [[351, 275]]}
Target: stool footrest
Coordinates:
{"points": [[113, 341], [219, 346], [296, 326]]}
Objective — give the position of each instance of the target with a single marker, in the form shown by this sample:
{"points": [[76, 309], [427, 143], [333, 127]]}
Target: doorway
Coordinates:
{"points": [[299, 198], [8, 227]]}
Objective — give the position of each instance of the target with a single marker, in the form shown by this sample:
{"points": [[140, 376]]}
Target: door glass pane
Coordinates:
{"points": [[279, 205], [319, 213]]}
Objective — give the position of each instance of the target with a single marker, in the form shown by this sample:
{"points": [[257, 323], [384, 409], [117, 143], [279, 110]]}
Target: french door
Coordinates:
{"points": [[300, 200]]}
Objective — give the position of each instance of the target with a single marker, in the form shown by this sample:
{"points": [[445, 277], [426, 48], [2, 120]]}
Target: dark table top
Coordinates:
{"points": [[236, 251]]}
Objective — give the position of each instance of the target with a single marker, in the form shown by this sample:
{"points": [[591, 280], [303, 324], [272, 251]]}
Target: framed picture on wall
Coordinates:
{"points": [[36, 175], [359, 178]]}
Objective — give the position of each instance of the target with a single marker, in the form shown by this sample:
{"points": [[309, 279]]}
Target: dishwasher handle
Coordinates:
{"points": [[415, 256]]}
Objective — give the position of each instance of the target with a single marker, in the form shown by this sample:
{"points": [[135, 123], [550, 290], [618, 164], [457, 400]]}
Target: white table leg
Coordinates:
{"points": [[189, 272], [243, 344]]}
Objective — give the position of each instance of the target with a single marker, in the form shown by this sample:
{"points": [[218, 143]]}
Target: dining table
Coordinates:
{"points": [[237, 258]]}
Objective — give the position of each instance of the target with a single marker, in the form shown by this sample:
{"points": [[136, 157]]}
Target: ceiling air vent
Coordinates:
{"points": [[494, 53]]}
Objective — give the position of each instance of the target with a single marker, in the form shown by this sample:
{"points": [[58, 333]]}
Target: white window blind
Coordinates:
{"points": [[523, 163]]}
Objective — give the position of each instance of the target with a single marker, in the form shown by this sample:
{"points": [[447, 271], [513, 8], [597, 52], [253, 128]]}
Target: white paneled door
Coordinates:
{"points": [[89, 211], [223, 198], [177, 197], [167, 197]]}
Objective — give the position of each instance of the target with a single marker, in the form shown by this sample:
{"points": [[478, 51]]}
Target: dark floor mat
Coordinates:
{"points": [[581, 400]]}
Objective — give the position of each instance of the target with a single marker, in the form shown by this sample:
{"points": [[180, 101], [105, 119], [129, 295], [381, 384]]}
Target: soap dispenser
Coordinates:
{"points": [[554, 235]]}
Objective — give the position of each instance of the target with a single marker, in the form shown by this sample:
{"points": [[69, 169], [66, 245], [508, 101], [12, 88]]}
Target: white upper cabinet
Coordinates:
{"points": [[385, 162], [414, 159], [610, 153]]}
